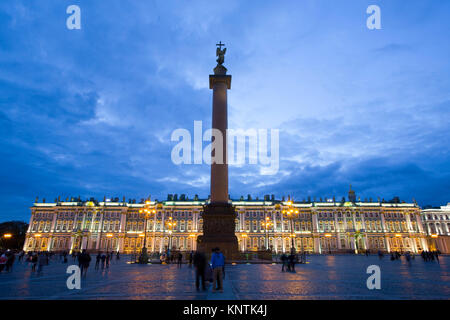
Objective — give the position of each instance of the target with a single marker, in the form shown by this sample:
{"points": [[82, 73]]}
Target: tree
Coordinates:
{"points": [[17, 229]]}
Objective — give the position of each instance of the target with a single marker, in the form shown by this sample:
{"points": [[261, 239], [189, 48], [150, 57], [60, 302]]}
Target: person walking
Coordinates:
{"points": [[199, 261], [65, 257], [191, 257], [41, 261], [85, 259], [283, 259], [10, 262], [217, 263], [103, 258], [380, 254], [22, 253], [34, 260], [108, 258], [97, 260], [3, 259], [291, 262], [179, 259], [117, 256]]}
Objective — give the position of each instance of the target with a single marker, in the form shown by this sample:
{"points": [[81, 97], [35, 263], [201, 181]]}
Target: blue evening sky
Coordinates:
{"points": [[90, 112]]}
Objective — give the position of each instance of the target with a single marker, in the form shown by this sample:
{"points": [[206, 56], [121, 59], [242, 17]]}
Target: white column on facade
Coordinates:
{"points": [[53, 226], [84, 243], [121, 240], [83, 220], [408, 222], [72, 242], [317, 246], [383, 222], [315, 222]]}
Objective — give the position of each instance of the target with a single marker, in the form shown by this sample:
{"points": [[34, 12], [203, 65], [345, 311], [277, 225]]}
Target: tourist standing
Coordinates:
{"points": [[199, 260], [217, 263], [97, 260], [191, 256], [179, 259], [103, 258], [34, 260], [41, 261], [283, 259], [10, 262], [3, 259], [84, 258], [291, 262]]}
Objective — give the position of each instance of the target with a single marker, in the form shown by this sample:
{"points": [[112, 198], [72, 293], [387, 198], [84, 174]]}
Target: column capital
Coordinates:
{"points": [[219, 78]]}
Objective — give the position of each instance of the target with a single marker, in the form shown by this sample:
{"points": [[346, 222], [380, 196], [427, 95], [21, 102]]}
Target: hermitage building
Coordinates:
{"points": [[313, 226]]}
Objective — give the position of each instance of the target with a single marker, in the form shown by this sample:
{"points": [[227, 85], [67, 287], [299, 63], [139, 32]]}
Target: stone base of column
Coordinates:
{"points": [[218, 230]]}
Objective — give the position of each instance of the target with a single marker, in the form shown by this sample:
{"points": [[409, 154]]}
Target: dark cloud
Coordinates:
{"points": [[91, 112]]}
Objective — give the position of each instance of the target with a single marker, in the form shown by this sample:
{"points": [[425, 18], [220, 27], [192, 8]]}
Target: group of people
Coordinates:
{"points": [[288, 262], [7, 260], [213, 271], [171, 257], [430, 255]]}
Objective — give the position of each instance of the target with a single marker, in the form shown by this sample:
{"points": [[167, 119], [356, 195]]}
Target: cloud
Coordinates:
{"points": [[91, 112]]}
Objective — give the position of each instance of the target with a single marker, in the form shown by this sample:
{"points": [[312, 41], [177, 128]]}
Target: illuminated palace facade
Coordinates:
{"points": [[316, 226]]}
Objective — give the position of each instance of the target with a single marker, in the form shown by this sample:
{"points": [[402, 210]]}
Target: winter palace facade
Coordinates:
{"points": [[322, 226]]}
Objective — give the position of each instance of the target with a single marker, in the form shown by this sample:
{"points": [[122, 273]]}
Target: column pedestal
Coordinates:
{"points": [[218, 230]]}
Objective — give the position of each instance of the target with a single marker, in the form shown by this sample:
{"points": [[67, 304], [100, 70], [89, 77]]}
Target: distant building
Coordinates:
{"points": [[437, 225], [316, 226]]}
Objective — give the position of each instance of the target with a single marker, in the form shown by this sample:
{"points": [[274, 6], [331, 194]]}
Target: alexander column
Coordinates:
{"points": [[219, 215]]}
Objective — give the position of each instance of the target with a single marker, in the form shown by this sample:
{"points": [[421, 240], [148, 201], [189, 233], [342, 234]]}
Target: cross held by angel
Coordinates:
{"points": [[220, 53]]}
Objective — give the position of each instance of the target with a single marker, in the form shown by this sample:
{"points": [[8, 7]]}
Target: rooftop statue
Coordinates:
{"points": [[220, 53]]}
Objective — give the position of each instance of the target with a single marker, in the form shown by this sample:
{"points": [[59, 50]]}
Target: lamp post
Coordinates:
{"points": [[267, 224], [143, 257], [171, 225], [290, 214]]}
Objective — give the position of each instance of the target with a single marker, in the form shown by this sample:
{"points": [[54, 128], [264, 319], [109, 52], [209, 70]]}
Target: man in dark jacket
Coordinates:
{"points": [[200, 265], [84, 259]]}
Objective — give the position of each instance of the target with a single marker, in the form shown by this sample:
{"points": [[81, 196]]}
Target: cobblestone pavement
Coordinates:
{"points": [[324, 277]]}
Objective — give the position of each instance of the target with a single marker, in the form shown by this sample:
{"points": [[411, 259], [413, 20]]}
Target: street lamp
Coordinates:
{"points": [[143, 257], [290, 214], [7, 236], [267, 224], [171, 224]]}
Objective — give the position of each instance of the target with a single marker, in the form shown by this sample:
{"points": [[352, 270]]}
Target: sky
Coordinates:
{"points": [[90, 112]]}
